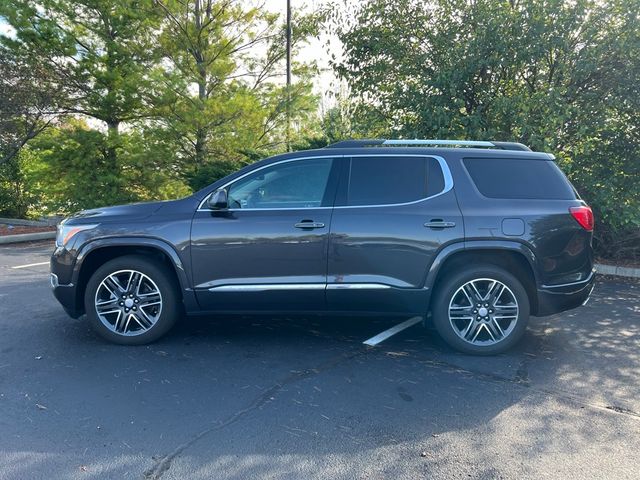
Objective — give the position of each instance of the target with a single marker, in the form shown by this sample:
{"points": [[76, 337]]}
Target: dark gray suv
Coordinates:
{"points": [[479, 234]]}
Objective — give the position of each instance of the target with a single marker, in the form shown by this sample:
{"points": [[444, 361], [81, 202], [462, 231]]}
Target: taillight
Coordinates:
{"points": [[584, 216]]}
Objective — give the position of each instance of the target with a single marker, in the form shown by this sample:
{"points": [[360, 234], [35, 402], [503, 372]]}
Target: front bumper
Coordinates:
{"points": [[559, 298], [65, 293]]}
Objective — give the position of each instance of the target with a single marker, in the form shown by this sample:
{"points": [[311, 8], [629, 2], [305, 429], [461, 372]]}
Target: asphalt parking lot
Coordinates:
{"points": [[303, 398]]}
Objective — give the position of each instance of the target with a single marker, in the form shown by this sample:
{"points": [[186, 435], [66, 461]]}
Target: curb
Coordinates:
{"points": [[27, 237], [43, 222], [619, 271]]}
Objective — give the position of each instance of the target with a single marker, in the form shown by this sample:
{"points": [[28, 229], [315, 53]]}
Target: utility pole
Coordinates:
{"points": [[288, 75]]}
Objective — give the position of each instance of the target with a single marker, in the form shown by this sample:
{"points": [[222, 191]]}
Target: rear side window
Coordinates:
{"points": [[519, 178], [382, 180]]}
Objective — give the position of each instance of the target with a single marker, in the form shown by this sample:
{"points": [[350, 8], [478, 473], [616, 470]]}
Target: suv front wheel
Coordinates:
{"points": [[131, 300], [481, 310]]}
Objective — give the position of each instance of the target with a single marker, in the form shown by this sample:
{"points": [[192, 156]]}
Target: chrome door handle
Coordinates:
{"points": [[439, 224], [309, 225]]}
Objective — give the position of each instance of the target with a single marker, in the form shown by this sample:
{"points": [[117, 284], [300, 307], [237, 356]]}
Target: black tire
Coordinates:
{"points": [[450, 285], [160, 276]]}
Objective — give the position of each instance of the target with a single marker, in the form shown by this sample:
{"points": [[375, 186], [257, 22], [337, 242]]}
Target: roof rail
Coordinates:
{"points": [[357, 143], [465, 143], [511, 146]]}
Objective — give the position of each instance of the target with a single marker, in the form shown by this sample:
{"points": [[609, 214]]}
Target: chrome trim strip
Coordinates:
{"points": [[446, 173], [264, 209], [298, 286], [588, 279], [476, 143], [266, 287], [357, 286]]}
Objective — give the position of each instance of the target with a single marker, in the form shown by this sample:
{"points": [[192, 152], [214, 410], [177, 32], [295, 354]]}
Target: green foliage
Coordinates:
{"points": [[27, 98], [177, 94], [559, 76], [219, 97], [213, 171], [101, 50], [69, 169], [13, 198]]}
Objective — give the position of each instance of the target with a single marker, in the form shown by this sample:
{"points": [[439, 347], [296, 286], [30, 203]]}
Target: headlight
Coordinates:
{"points": [[67, 232]]}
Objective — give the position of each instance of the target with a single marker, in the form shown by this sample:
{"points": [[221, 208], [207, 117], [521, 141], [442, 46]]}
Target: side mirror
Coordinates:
{"points": [[218, 200]]}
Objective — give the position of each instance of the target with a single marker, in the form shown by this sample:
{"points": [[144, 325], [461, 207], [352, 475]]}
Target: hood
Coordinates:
{"points": [[133, 211]]}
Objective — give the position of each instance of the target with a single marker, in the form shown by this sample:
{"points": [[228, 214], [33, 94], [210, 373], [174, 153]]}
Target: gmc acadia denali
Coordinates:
{"points": [[479, 234]]}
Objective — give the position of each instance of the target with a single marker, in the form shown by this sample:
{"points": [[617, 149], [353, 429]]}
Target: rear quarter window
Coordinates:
{"points": [[519, 178]]}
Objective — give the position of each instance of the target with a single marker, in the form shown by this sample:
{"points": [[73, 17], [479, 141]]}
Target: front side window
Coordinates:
{"points": [[296, 184], [386, 180]]}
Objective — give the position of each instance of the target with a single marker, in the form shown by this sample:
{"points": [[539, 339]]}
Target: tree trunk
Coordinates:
{"points": [[113, 141], [201, 133], [200, 148]]}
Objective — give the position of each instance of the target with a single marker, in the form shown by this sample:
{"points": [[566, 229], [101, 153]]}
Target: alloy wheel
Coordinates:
{"points": [[128, 302], [483, 311]]}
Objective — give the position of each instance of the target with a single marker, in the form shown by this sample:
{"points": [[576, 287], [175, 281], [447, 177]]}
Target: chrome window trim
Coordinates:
{"points": [[263, 209], [288, 160], [446, 174]]}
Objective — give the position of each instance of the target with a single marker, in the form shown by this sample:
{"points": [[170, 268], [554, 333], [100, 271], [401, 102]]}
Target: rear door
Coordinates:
{"points": [[393, 213]]}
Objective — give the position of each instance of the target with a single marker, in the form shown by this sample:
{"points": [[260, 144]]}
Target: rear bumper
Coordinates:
{"points": [[559, 298]]}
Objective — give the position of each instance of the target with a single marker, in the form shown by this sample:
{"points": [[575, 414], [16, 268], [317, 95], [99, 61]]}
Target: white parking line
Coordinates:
{"points": [[31, 265], [381, 337]]}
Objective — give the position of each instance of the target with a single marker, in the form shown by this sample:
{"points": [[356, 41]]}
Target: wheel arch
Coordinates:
{"points": [[514, 257], [94, 254]]}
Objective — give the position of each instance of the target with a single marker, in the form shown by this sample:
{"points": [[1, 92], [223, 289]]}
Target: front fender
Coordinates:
{"points": [[145, 242], [161, 245]]}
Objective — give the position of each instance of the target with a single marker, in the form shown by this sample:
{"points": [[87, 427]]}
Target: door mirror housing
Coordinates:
{"points": [[218, 200]]}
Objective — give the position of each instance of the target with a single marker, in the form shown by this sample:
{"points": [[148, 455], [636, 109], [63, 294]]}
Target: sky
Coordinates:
{"points": [[315, 50], [5, 29]]}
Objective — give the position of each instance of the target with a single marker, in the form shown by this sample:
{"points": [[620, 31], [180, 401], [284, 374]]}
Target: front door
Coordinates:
{"points": [[268, 250], [390, 220]]}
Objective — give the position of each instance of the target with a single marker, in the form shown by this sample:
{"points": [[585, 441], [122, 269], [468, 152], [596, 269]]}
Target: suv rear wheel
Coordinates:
{"points": [[131, 300], [482, 310]]}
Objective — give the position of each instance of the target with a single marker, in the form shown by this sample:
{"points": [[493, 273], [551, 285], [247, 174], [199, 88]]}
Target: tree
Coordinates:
{"points": [[100, 50], [172, 90], [65, 169], [28, 102], [222, 98], [562, 77]]}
